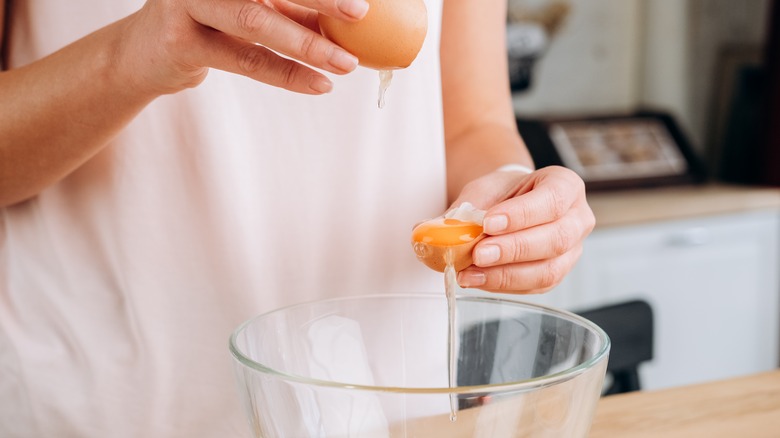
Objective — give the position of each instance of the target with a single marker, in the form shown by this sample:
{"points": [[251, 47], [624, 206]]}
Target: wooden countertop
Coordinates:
{"points": [[741, 407], [628, 207]]}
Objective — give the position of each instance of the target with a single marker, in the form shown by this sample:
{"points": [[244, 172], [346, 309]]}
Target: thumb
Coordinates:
{"points": [[491, 189]]}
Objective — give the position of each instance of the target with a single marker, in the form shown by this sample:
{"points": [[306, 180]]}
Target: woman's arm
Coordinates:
{"points": [[535, 222], [479, 123], [58, 112]]}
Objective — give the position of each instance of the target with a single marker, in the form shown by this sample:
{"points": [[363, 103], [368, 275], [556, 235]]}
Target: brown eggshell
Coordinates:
{"points": [[434, 256], [389, 36]]}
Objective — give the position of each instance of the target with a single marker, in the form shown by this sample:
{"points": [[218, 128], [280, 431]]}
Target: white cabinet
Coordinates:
{"points": [[712, 282]]}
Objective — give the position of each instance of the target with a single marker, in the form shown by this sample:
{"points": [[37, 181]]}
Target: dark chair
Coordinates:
{"points": [[629, 326]]}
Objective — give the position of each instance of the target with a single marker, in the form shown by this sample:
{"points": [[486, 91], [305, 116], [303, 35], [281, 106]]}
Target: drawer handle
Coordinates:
{"points": [[697, 236]]}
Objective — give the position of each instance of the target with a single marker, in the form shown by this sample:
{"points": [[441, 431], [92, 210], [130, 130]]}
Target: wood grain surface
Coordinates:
{"points": [[745, 407]]}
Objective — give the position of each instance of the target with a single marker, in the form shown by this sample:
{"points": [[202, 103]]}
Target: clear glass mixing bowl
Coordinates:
{"points": [[377, 366]]}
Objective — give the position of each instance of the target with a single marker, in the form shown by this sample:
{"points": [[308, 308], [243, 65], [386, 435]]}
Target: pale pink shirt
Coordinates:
{"points": [[120, 285]]}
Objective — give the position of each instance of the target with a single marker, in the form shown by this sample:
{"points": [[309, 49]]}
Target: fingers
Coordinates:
{"points": [[553, 193], [351, 10], [304, 16], [536, 243], [306, 12], [251, 60], [535, 232], [524, 278], [487, 191], [259, 23]]}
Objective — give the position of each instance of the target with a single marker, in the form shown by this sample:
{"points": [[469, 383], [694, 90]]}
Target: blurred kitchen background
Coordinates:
{"points": [[666, 108]]}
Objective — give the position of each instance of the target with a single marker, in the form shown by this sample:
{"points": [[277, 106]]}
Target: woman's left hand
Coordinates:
{"points": [[535, 223]]}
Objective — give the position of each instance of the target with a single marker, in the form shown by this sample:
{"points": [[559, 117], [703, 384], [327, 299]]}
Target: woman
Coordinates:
{"points": [[163, 178]]}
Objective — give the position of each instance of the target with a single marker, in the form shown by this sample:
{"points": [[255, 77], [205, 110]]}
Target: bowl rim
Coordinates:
{"points": [[517, 386]]}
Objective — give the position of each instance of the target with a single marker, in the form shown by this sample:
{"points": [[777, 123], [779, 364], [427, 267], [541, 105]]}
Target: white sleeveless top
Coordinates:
{"points": [[120, 285]]}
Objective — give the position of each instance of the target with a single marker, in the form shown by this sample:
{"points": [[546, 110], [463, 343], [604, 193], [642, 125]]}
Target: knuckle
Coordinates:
{"points": [[309, 45], [520, 249], [524, 215], [251, 59], [503, 280], [574, 180], [590, 220], [575, 254], [521, 215], [557, 202], [288, 75], [579, 183], [252, 18], [563, 240], [552, 274], [194, 80], [567, 173]]}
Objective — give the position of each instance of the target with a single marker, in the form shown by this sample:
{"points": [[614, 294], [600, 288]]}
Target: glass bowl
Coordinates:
{"points": [[379, 366]]}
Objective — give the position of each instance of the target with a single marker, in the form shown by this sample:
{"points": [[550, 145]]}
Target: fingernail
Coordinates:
{"points": [[321, 84], [354, 8], [487, 254], [471, 278], [343, 60], [495, 224]]}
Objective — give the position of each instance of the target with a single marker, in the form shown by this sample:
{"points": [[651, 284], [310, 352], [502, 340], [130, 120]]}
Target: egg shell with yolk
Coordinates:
{"points": [[438, 240]]}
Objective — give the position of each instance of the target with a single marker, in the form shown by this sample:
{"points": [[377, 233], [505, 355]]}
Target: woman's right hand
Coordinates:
{"points": [[165, 47], [169, 45]]}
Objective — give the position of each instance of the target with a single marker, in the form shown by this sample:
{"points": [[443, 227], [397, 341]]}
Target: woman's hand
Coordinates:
{"points": [[536, 224], [165, 47], [169, 44]]}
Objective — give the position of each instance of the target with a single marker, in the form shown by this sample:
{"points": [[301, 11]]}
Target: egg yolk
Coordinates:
{"points": [[447, 232]]}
